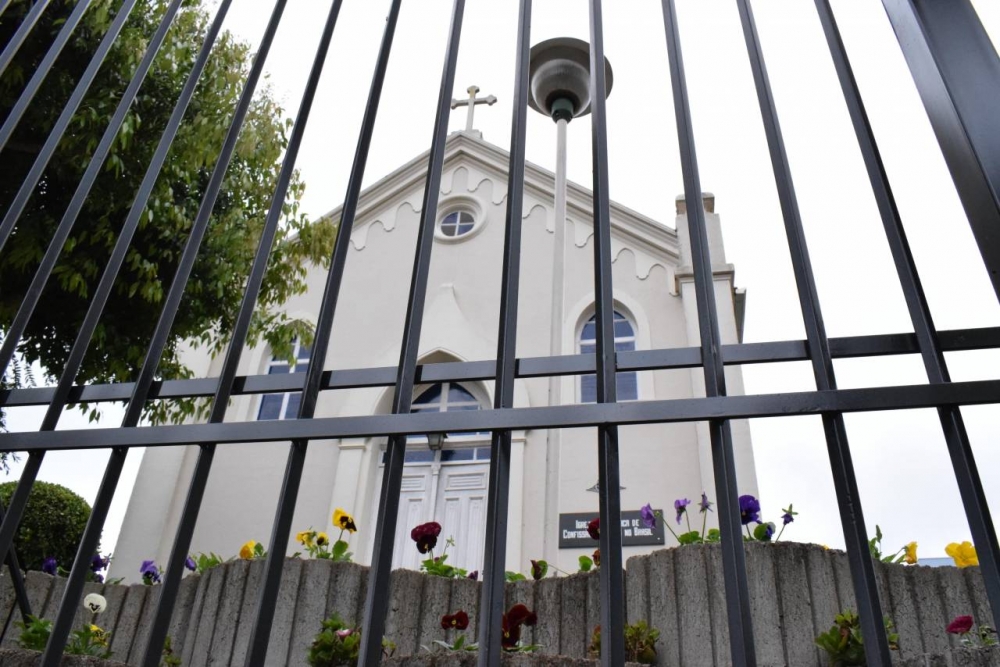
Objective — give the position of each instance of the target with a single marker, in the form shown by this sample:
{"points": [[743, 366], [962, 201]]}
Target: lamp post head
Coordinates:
{"points": [[560, 78]]}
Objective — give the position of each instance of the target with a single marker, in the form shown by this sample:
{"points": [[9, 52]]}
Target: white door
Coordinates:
{"points": [[449, 488], [414, 506], [461, 511]]}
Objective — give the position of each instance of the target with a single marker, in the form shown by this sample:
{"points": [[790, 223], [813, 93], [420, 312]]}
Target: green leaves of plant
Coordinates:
{"points": [[586, 563]]}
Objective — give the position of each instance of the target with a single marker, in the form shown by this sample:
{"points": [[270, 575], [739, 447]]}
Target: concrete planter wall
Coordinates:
{"points": [[796, 590]]}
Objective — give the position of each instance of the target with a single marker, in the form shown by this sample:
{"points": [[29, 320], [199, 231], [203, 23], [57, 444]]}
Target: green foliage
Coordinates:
{"points": [[458, 645], [338, 645], [438, 566], [845, 645], [205, 562], [34, 634], [586, 563], [169, 658], [901, 556], [53, 523], [640, 643], [89, 640], [212, 297], [514, 576], [763, 532]]}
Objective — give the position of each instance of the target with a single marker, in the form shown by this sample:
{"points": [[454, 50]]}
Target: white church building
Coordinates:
{"points": [[554, 472]]}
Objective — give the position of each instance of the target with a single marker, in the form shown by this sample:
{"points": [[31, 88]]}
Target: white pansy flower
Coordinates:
{"points": [[95, 603]]}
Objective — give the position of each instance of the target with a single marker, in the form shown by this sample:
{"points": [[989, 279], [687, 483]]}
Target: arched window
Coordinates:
{"points": [[628, 382], [446, 397], [284, 406]]}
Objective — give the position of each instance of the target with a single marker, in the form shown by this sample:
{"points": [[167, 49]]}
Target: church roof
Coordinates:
{"points": [[464, 147]]}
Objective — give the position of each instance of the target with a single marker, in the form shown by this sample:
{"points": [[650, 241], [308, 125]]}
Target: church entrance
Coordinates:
{"points": [[448, 486]]}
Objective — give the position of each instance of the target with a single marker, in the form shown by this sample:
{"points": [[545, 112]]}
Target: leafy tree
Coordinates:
{"points": [[53, 524], [212, 298]]}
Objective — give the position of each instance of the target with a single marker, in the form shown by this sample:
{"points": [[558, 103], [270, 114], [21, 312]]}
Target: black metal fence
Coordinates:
{"points": [[957, 73]]}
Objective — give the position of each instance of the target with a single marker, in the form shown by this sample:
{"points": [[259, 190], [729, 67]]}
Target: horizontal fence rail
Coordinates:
{"points": [[951, 62]]}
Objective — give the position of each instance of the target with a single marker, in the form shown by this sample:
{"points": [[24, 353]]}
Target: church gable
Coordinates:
{"points": [[474, 180]]}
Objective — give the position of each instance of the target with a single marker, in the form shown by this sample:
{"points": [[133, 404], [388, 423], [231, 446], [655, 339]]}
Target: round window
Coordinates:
{"points": [[457, 223]]}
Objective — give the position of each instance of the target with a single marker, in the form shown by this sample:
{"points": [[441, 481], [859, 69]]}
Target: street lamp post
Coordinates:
{"points": [[560, 89]]}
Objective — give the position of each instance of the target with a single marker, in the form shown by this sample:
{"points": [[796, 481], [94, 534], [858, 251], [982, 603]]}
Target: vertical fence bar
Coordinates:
{"points": [[95, 524], [963, 460], [30, 19], [59, 128], [268, 593], [45, 267], [612, 583], [377, 596], [741, 639], [175, 565], [494, 566], [844, 480], [42, 71], [103, 291], [241, 327], [957, 73]]}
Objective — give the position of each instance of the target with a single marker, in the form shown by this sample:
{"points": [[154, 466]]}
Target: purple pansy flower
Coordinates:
{"points": [[705, 505], [49, 566], [681, 506], [647, 516], [474, 575], [150, 573], [749, 510], [98, 563], [190, 564], [787, 518]]}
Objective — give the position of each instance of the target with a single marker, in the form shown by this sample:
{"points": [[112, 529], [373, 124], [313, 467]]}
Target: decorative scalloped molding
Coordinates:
{"points": [[457, 181]]}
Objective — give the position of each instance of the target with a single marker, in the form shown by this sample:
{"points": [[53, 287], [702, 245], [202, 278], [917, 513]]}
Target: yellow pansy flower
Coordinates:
{"points": [[343, 520], [963, 554], [322, 539], [99, 636], [247, 550], [306, 537], [910, 557]]}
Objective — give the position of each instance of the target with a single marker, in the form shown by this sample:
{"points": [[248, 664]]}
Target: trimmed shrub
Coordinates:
{"points": [[53, 524]]}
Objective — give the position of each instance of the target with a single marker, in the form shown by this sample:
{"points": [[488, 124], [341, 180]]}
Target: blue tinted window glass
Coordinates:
{"points": [[432, 395], [303, 352], [626, 346], [292, 409], [482, 453], [419, 456], [588, 389], [589, 330], [456, 455], [275, 369], [628, 386], [270, 406], [623, 329], [457, 394]]}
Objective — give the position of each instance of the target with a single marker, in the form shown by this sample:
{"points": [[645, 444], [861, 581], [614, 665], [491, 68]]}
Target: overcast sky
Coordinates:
{"points": [[904, 472]]}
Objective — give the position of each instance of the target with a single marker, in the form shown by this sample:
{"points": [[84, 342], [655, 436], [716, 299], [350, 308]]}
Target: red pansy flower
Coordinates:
{"points": [[459, 621], [961, 625], [425, 535]]}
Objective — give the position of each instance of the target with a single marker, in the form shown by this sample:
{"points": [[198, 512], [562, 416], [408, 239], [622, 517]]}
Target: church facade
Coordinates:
{"points": [[445, 479]]}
